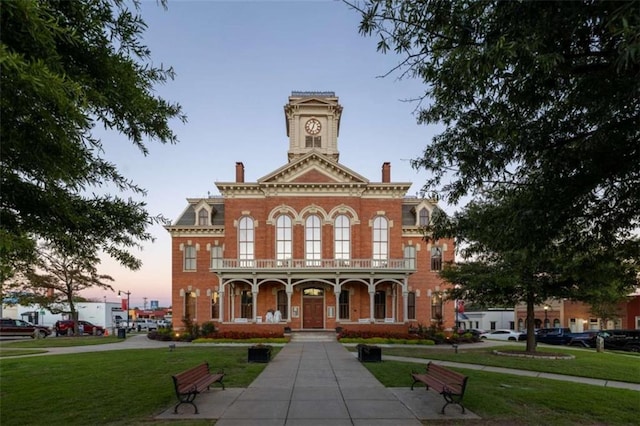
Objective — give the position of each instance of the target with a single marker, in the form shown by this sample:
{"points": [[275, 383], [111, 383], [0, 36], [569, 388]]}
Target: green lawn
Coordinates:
{"points": [[502, 399], [130, 387], [606, 365], [113, 387]]}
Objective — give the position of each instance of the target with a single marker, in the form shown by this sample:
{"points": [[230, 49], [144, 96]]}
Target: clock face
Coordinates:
{"points": [[312, 126]]}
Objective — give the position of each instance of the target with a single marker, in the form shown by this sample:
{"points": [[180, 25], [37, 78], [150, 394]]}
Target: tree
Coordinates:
{"points": [[67, 68], [57, 279], [508, 267], [541, 104]]}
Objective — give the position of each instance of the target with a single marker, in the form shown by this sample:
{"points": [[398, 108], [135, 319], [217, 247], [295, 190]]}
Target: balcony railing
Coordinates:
{"points": [[308, 264]]}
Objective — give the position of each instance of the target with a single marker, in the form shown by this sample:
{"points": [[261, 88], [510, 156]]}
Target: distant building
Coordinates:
{"points": [[98, 313], [312, 244], [578, 317]]}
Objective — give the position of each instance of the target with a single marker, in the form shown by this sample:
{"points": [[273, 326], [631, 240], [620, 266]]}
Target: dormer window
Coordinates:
{"points": [[203, 217], [423, 217]]}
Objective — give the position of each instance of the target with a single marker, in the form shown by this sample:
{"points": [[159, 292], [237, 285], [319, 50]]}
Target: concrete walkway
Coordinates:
{"points": [[317, 383]]}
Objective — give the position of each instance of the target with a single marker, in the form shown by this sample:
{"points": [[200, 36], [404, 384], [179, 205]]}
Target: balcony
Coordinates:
{"points": [[283, 266]]}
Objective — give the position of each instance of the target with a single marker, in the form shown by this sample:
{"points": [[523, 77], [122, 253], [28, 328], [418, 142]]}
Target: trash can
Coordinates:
{"points": [[122, 333]]}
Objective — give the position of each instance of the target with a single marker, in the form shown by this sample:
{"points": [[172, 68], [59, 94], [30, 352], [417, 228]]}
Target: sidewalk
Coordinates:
{"points": [[312, 383]]}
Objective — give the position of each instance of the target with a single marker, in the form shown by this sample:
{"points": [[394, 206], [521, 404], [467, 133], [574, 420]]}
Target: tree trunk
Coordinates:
{"points": [[531, 325]]}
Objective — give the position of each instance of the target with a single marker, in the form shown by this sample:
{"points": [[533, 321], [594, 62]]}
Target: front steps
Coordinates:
{"points": [[313, 336]]}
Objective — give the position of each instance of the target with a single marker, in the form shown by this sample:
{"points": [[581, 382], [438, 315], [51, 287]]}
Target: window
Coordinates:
{"points": [[282, 304], [216, 257], [190, 258], [312, 291], [283, 239], [215, 305], [410, 257], [190, 305], [380, 241], [423, 218], [344, 305], [342, 238], [492, 325], [312, 142], [246, 241], [436, 307], [436, 258], [411, 306], [313, 243], [203, 217], [246, 304], [380, 304]]}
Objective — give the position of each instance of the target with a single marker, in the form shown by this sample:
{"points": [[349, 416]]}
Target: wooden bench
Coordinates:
{"points": [[448, 383], [190, 383]]}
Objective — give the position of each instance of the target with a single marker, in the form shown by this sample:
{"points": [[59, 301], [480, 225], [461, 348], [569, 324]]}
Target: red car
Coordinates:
{"points": [[65, 327], [14, 327]]}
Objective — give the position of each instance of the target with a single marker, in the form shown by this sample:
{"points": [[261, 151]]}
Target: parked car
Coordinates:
{"points": [[623, 340], [164, 323], [14, 327], [145, 324], [66, 327], [554, 336], [504, 334], [583, 339], [123, 323], [475, 332]]}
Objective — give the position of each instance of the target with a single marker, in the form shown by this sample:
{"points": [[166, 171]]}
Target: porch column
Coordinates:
{"points": [[255, 290], [221, 307], [336, 292], [394, 301], [371, 302], [232, 303], [405, 303], [289, 294]]}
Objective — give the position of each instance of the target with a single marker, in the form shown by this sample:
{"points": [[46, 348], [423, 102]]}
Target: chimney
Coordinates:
{"points": [[239, 172], [386, 172]]}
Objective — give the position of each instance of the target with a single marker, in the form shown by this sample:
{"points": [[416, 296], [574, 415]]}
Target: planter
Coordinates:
{"points": [[369, 353], [259, 354]]}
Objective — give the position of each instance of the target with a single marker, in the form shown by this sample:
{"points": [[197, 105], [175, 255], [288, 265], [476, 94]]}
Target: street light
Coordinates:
{"points": [[128, 293], [546, 319]]}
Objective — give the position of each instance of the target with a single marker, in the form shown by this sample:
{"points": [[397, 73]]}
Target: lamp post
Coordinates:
{"points": [[128, 293], [546, 318]]}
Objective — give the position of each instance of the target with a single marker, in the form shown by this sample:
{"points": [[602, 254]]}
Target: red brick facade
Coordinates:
{"points": [[233, 276]]}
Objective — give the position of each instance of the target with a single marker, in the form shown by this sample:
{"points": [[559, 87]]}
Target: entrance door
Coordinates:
{"points": [[312, 310]]}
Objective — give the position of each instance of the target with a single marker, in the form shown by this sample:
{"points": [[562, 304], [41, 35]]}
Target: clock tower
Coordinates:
{"points": [[313, 123]]}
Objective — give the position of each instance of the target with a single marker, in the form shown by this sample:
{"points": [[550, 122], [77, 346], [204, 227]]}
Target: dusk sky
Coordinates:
{"points": [[236, 64]]}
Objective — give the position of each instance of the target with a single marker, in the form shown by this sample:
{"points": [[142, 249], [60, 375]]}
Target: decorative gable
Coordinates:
{"points": [[313, 168]]}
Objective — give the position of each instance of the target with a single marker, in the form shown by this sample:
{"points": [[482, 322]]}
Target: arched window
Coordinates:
{"points": [[203, 217], [313, 243], [283, 239], [342, 238], [246, 241], [215, 305], [423, 217], [380, 241]]}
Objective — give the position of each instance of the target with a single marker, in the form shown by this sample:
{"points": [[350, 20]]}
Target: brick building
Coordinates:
{"points": [[311, 245]]}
